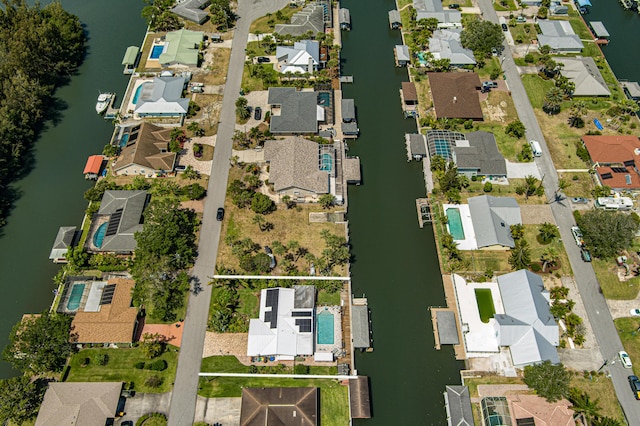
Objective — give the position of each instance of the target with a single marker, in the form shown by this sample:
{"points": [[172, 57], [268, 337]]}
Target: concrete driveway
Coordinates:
{"points": [[145, 403], [522, 170]]}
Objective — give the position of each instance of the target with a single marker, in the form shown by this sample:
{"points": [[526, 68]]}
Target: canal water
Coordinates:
{"points": [[52, 194], [395, 262]]}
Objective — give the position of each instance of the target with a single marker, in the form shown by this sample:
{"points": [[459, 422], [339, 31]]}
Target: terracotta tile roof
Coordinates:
{"points": [[94, 164], [612, 149], [615, 178], [409, 91], [544, 413], [113, 323], [455, 94], [148, 148]]}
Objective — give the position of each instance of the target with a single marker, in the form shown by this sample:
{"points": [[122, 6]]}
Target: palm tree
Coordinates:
{"points": [[578, 110], [520, 257], [259, 220], [547, 232], [583, 404], [549, 257], [552, 101]]}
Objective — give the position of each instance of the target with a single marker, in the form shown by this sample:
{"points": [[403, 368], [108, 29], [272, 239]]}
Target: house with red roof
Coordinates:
{"points": [[615, 160]]}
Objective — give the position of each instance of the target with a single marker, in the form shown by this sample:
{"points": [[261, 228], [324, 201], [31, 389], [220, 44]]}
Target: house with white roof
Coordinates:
{"points": [[445, 44], [285, 327], [162, 97], [492, 218], [303, 57]]}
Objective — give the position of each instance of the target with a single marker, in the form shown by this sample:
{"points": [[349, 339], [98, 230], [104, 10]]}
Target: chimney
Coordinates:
{"points": [[455, 99]]}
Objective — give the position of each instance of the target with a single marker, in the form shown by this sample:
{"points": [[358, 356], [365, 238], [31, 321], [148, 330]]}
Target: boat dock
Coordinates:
{"points": [[361, 331], [423, 207], [445, 321], [111, 113]]}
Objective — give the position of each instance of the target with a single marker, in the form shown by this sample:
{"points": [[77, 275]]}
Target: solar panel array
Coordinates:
{"points": [[304, 325], [107, 294], [630, 163], [114, 223], [272, 301], [619, 169], [606, 176], [300, 314]]}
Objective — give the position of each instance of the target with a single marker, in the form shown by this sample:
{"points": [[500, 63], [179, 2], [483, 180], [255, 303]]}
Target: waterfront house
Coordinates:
{"points": [[192, 10], [311, 18], [79, 404], [294, 112], [93, 167], [285, 327], [445, 44], [64, 239], [107, 316], [344, 19], [478, 155], [401, 53], [394, 20], [584, 73], [558, 9], [118, 219], [492, 218], [447, 18], [559, 36], [615, 160], [455, 94], [162, 97], [146, 152], [303, 57], [296, 169], [280, 406], [527, 327], [182, 49]]}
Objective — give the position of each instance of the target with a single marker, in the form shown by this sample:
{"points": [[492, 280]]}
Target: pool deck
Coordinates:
{"points": [[469, 242], [336, 346]]}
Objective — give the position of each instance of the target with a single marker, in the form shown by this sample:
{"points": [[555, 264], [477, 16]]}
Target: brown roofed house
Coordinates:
{"points": [[455, 94], [534, 410], [147, 152], [279, 407], [616, 159], [107, 316]]}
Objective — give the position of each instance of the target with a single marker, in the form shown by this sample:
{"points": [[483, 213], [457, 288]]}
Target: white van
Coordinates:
{"points": [[535, 148]]}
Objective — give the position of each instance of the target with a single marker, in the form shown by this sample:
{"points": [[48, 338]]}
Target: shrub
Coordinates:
{"points": [[157, 365], [85, 362], [103, 359], [488, 187], [301, 369], [528, 58], [153, 381], [515, 129], [535, 267], [495, 73], [139, 365]]}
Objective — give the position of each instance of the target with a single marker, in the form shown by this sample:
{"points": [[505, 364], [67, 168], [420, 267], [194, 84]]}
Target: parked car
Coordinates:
{"points": [[635, 312], [579, 200], [521, 19], [625, 359], [634, 382], [485, 89], [454, 6], [220, 214], [577, 235], [585, 254], [257, 113], [263, 59], [504, 27], [490, 84]]}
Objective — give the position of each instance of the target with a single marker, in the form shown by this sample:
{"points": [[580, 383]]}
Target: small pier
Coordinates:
{"points": [[445, 321], [599, 32], [361, 331], [111, 113], [423, 206], [346, 79]]}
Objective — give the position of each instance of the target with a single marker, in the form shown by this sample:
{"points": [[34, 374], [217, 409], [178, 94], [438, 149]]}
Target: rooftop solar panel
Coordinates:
{"points": [[114, 223], [619, 169], [304, 325], [606, 176], [301, 314], [629, 163], [107, 294]]}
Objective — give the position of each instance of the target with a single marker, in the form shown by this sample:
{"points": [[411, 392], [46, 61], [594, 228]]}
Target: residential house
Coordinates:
{"points": [[394, 20], [615, 159], [536, 410], [492, 218], [107, 316], [303, 57], [558, 9], [445, 44], [455, 94], [146, 152], [295, 168], [311, 18], [117, 220], [442, 143], [527, 327], [192, 10], [401, 53], [79, 404], [344, 18], [478, 155], [447, 18], [162, 97], [559, 36], [285, 328], [182, 48], [631, 89], [584, 73], [457, 402], [294, 112], [65, 238], [93, 167], [280, 406]]}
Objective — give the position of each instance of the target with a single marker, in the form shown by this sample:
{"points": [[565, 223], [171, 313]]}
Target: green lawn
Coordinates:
{"points": [[249, 302], [611, 287], [600, 387], [121, 368], [580, 187], [536, 88], [328, 299], [509, 146], [531, 236], [485, 304], [267, 23], [333, 396], [505, 5], [628, 331], [525, 32]]}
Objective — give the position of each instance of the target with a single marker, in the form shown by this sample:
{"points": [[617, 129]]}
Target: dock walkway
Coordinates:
{"points": [[452, 306]]}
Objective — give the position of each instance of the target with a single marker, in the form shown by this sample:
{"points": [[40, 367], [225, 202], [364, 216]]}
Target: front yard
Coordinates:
{"points": [[612, 288]]}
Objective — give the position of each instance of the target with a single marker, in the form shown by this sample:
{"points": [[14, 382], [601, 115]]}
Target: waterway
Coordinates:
{"points": [[52, 194], [395, 262]]}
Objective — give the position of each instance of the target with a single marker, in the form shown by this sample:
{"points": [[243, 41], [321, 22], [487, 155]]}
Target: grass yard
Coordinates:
{"points": [[485, 304], [217, 71], [531, 236], [328, 299], [333, 396], [628, 331], [508, 146], [483, 260], [600, 388], [580, 187], [121, 368], [536, 88], [476, 188], [505, 5], [526, 32], [251, 84], [578, 25], [267, 23], [612, 288]]}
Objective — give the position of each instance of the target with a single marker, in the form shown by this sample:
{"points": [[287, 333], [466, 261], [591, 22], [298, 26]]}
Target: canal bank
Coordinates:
{"points": [[395, 262], [52, 193]]}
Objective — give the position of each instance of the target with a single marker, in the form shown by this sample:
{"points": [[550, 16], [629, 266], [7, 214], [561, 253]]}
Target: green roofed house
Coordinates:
{"points": [[182, 48], [130, 59]]}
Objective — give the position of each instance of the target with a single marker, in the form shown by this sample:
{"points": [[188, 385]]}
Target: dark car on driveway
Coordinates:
{"points": [[585, 254], [504, 27], [257, 113], [220, 214], [263, 59]]}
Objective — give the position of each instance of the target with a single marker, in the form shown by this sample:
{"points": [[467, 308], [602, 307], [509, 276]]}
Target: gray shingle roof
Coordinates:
{"points": [[192, 10], [584, 72], [294, 163], [459, 412], [360, 319], [63, 240], [558, 35], [599, 29], [349, 128], [298, 110], [492, 218], [482, 154], [344, 16], [527, 326], [394, 17], [402, 53], [132, 204], [348, 109], [417, 144]]}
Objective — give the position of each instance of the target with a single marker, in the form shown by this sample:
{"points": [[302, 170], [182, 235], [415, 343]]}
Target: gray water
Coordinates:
{"points": [[52, 193]]}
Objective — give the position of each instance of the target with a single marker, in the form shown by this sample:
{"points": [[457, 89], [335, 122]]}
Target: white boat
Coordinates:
{"points": [[104, 100]]}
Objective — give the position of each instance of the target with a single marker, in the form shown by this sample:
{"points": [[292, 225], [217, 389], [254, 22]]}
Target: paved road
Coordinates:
{"points": [[184, 395], [595, 304]]}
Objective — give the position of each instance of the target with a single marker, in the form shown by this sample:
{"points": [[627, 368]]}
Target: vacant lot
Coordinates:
{"points": [[612, 288]]}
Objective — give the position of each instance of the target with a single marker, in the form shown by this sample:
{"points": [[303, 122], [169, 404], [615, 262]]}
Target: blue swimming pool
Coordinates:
{"points": [[156, 51], [422, 59], [124, 140], [73, 303], [455, 224], [324, 99], [326, 162], [324, 327], [98, 237], [136, 95]]}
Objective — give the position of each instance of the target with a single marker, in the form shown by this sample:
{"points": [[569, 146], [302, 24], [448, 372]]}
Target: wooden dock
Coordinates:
{"points": [[423, 207], [452, 306], [111, 113]]}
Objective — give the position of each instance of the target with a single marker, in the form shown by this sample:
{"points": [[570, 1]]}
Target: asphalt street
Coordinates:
{"points": [[594, 302], [184, 395]]}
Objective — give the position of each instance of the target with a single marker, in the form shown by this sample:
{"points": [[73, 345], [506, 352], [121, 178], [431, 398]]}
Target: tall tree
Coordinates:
{"points": [[607, 233], [552, 101], [20, 399], [520, 257], [550, 381], [481, 36]]}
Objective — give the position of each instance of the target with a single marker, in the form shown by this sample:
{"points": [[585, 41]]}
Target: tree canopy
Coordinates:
{"points": [[607, 233], [481, 36], [550, 381], [19, 399]]}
